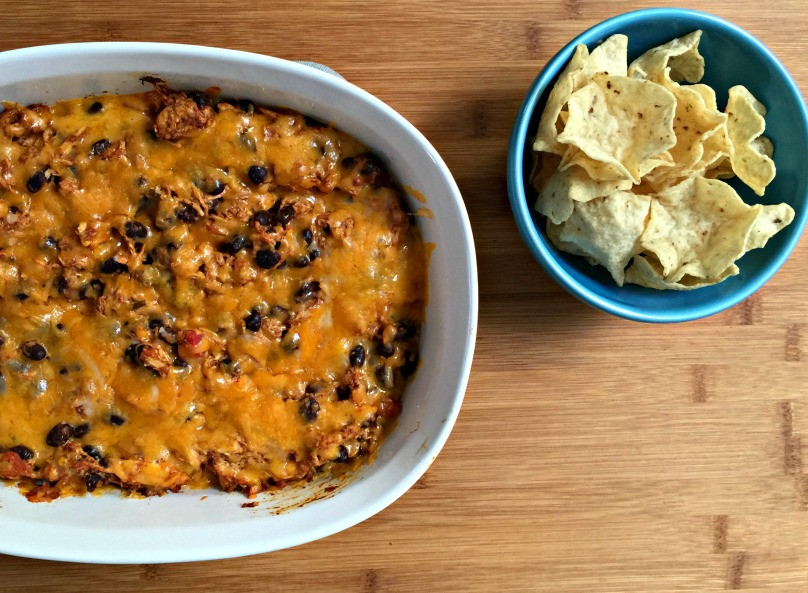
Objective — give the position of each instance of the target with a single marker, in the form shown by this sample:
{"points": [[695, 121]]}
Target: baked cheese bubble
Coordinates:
{"points": [[629, 163]]}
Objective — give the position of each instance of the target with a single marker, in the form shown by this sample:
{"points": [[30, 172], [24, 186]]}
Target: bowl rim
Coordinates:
{"points": [[545, 255], [197, 550]]}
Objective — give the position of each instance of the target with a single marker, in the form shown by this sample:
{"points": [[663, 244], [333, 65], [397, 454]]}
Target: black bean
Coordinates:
{"points": [[50, 243], [246, 106], [215, 188], [99, 147], [98, 288], [230, 366], [301, 261], [253, 321], [81, 430], [21, 296], [266, 218], [213, 205], [116, 420], [96, 107], [313, 122], [357, 356], [410, 366], [155, 323], [61, 284], [314, 254], [385, 350], [33, 351], [405, 329], [199, 98], [133, 352], [136, 230], [310, 409], [343, 392], [91, 481], [59, 434], [187, 214], [92, 452], [307, 235], [342, 456], [286, 214], [257, 174], [36, 181], [236, 244], [113, 266], [24, 453], [266, 258], [307, 291], [371, 165]]}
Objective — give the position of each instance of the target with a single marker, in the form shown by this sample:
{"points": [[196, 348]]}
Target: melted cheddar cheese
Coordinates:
{"points": [[194, 292]]}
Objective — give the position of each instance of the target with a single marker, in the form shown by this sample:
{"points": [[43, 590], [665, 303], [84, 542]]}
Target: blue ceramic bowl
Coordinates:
{"points": [[732, 56]]}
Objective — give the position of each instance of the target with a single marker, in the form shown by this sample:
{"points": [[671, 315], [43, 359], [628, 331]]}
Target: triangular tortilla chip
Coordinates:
{"points": [[622, 122], [646, 271], [681, 55], [607, 230], [698, 228], [744, 128], [609, 57], [559, 193]]}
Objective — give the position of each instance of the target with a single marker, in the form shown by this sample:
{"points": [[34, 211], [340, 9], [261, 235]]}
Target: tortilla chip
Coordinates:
{"points": [[707, 94], [744, 128], [714, 160], [697, 116], [564, 87], [646, 271], [607, 230], [693, 125], [622, 122], [559, 193], [698, 228], [545, 164], [597, 170], [609, 56], [680, 55], [771, 220]]}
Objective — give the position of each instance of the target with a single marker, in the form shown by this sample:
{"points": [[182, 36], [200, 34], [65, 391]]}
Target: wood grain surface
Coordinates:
{"points": [[591, 454]]}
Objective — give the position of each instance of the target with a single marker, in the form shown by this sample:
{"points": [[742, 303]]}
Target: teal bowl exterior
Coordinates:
{"points": [[732, 56]]}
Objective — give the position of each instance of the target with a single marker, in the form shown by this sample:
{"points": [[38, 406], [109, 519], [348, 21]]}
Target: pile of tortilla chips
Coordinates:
{"points": [[629, 161]]}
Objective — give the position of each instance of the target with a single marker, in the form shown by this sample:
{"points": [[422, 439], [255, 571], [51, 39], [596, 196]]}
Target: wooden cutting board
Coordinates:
{"points": [[591, 454]]}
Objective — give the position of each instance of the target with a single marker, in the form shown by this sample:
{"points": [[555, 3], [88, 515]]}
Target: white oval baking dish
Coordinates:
{"points": [[186, 527]]}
